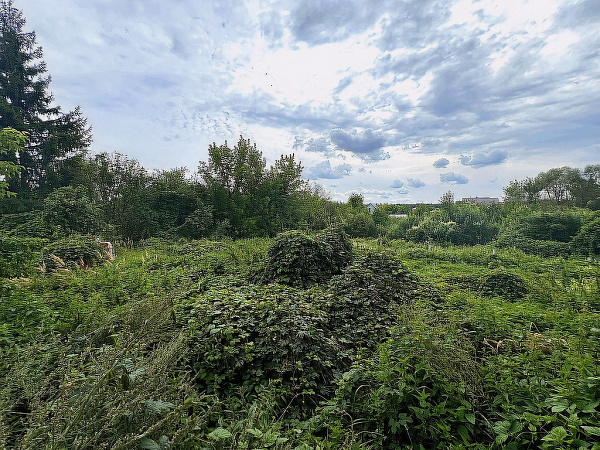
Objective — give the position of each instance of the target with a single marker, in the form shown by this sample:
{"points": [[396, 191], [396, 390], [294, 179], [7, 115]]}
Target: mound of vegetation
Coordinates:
{"points": [[364, 300], [297, 259], [587, 241], [419, 390], [504, 284], [273, 337], [72, 253]]}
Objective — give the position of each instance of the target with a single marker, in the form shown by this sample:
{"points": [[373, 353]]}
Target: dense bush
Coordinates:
{"points": [[511, 238], [73, 252], [504, 284], [550, 226], [462, 224], [297, 259], [70, 210], [419, 390], [198, 224], [360, 224], [364, 300], [587, 241], [249, 339], [17, 255]]}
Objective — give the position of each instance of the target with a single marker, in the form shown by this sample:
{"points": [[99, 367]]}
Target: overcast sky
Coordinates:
{"points": [[398, 100]]}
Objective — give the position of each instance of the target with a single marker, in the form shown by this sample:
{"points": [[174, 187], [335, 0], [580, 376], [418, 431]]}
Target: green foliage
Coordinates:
{"points": [[460, 224], [56, 139], [69, 210], [558, 186], [356, 201], [511, 238], [366, 297], [587, 241], [254, 200], [360, 224], [248, 337], [504, 284], [72, 253], [17, 255], [11, 142], [407, 345], [198, 224], [419, 390], [297, 259], [550, 226], [547, 233]]}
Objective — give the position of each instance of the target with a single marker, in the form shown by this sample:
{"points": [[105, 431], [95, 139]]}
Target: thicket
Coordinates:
{"points": [[172, 344], [297, 259]]}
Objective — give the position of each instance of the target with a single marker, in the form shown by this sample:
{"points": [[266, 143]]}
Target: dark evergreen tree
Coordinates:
{"points": [[56, 140]]}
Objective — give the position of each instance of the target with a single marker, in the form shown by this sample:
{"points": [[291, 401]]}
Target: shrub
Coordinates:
{"points": [[360, 224], [245, 339], [17, 255], [550, 226], [504, 284], [73, 252], [365, 298], [198, 224], [587, 241], [297, 259], [512, 238], [71, 210], [416, 391]]}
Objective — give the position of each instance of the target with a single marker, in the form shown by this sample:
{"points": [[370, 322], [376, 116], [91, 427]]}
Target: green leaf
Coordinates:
{"points": [[591, 430], [149, 444], [219, 433], [502, 426], [157, 406], [557, 434], [254, 432], [464, 434], [470, 417]]}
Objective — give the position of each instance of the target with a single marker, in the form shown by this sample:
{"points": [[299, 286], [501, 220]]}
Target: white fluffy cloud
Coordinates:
{"points": [[505, 89]]}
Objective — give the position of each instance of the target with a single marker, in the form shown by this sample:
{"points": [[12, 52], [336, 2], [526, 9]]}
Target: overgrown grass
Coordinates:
{"points": [[171, 345]]}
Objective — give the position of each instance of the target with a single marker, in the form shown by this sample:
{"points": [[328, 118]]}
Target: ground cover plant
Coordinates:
{"points": [[179, 344]]}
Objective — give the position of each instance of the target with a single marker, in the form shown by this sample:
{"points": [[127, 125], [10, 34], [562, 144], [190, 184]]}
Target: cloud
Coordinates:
{"points": [[325, 171], [366, 145], [415, 183], [271, 26], [474, 83], [326, 21], [582, 13], [397, 184], [484, 159], [319, 145], [412, 24], [452, 178], [441, 163]]}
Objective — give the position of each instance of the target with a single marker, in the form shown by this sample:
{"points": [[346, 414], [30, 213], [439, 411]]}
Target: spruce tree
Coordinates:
{"points": [[56, 140]]}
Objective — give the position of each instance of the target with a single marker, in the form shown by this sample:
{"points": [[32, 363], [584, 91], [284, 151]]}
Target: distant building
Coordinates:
{"points": [[481, 200], [371, 207]]}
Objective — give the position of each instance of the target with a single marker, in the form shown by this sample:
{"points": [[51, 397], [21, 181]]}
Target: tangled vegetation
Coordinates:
{"points": [[177, 344]]}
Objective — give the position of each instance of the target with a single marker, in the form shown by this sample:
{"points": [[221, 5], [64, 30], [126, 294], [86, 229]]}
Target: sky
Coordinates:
{"points": [[400, 101]]}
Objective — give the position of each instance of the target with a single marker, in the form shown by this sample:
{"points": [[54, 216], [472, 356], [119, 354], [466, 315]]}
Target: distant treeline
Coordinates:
{"points": [[234, 194]]}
